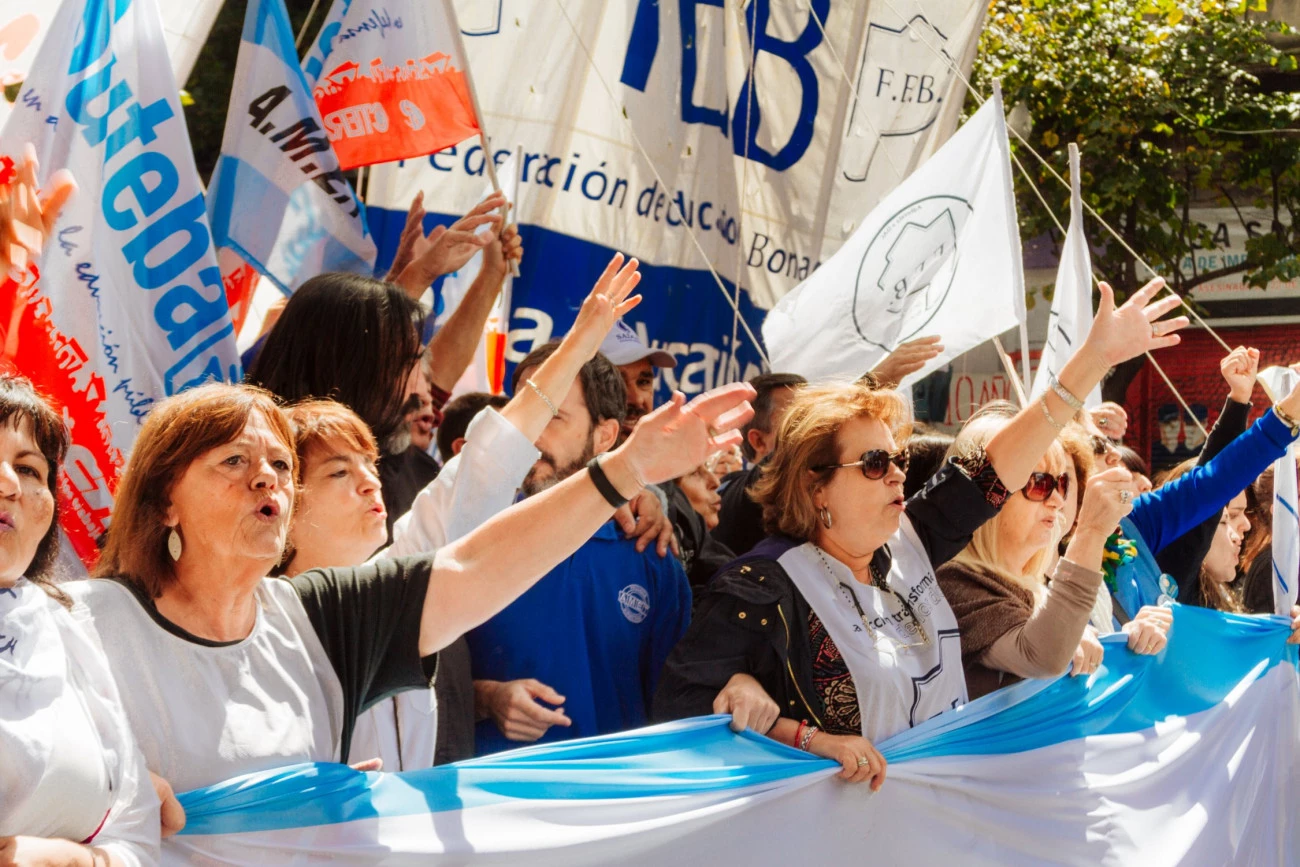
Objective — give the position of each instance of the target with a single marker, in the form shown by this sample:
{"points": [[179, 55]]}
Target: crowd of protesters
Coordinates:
{"points": [[336, 561]]}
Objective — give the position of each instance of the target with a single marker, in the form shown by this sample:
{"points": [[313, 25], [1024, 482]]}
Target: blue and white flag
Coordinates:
{"points": [[278, 198], [1071, 316], [940, 255], [1286, 520], [1189, 757], [130, 275]]}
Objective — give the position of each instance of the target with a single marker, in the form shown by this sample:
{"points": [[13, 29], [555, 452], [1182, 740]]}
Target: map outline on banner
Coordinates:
{"points": [[942, 266]]}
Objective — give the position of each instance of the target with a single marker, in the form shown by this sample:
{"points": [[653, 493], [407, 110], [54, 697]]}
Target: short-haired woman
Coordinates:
{"points": [[73, 786], [839, 618], [340, 521], [245, 672]]}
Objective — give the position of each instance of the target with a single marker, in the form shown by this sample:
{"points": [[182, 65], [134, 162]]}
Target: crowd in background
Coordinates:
{"points": [[339, 561]]}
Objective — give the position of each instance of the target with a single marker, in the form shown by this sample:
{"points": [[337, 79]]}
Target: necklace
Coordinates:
{"points": [[880, 583]]}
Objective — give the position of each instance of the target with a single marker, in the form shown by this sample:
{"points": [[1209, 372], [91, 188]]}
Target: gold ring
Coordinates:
{"points": [[863, 761]]}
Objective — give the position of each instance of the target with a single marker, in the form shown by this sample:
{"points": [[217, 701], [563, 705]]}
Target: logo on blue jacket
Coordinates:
{"points": [[635, 602]]}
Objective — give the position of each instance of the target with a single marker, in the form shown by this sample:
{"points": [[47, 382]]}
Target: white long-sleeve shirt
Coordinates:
{"points": [[473, 486]]}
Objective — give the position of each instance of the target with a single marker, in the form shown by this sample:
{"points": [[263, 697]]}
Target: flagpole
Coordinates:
{"points": [[1009, 366], [488, 161]]}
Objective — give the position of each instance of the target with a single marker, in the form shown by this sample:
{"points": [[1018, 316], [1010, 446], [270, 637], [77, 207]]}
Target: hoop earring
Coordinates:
{"points": [[174, 546], [825, 515]]}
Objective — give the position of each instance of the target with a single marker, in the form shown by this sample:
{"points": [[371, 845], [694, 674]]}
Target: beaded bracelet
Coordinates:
{"points": [[546, 400]]}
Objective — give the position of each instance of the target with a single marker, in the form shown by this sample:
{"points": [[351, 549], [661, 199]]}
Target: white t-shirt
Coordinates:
{"points": [[898, 686], [68, 766], [205, 714], [472, 487]]}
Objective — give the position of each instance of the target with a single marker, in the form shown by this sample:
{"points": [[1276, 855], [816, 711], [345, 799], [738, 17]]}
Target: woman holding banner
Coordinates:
{"points": [[838, 616], [246, 672]]}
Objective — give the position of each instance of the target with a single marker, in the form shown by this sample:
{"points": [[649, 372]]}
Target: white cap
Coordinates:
{"points": [[622, 346]]}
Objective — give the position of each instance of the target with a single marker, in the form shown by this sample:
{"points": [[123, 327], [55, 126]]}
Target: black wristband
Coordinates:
{"points": [[604, 485]]}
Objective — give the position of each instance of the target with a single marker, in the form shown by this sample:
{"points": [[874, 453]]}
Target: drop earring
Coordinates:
{"points": [[174, 546]]}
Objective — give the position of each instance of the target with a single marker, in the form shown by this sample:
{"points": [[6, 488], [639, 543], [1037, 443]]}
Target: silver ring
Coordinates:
{"points": [[863, 761], [1125, 496], [1154, 332]]}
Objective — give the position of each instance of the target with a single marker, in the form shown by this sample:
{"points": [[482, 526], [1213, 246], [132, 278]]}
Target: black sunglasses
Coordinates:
{"points": [[1040, 486], [875, 463]]}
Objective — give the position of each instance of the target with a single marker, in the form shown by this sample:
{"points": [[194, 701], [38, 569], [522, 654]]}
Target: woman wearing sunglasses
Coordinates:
{"points": [[838, 616], [1012, 625]]}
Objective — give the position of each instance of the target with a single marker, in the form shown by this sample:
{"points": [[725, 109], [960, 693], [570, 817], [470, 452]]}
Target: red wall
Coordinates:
{"points": [[1193, 366]]}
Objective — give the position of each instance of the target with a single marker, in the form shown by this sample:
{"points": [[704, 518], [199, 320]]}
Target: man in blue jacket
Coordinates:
{"points": [[581, 652]]}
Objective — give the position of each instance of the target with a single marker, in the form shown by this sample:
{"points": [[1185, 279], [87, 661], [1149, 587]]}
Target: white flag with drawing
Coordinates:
{"points": [[1072, 313], [940, 255], [1286, 520]]}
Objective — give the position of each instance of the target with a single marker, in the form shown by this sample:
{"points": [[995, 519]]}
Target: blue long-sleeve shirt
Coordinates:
{"points": [[1166, 513]]}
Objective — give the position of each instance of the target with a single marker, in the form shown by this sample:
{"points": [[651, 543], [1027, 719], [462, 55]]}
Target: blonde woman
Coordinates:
{"points": [[1012, 624]]}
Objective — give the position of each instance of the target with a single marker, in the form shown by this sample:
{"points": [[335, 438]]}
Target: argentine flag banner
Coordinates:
{"points": [[278, 198], [1188, 757]]}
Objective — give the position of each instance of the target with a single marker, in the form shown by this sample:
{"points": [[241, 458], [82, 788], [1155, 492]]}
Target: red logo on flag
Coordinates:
{"points": [[381, 113]]}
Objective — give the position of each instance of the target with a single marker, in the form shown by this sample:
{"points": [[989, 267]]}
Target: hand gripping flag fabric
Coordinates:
{"points": [[126, 306], [1285, 549], [278, 197], [1188, 757], [1071, 316], [392, 85], [939, 256]]}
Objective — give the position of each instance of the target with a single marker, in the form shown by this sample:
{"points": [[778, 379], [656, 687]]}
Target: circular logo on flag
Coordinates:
{"points": [[635, 602], [907, 270]]}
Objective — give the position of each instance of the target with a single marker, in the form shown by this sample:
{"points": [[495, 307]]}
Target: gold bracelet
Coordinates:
{"points": [[546, 400]]}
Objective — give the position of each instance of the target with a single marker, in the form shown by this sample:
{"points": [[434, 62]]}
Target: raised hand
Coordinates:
{"points": [[607, 301], [906, 359], [679, 436], [1239, 368], [1111, 420], [446, 248], [1118, 334], [505, 250], [26, 215]]}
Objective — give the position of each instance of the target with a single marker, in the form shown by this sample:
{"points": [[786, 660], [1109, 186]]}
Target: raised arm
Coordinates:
{"points": [[420, 259], [607, 301], [482, 480], [1162, 515], [1117, 334], [452, 348], [1239, 369], [478, 575]]}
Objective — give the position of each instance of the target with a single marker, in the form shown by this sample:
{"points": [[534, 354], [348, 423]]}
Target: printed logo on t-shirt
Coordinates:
{"points": [[635, 602]]}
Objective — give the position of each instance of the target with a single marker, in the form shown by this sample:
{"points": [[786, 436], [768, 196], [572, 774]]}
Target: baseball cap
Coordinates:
{"points": [[623, 346]]}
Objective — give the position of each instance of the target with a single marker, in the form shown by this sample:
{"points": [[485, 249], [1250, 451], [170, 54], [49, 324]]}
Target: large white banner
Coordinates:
{"points": [[939, 256], [1188, 757], [813, 151], [129, 300]]}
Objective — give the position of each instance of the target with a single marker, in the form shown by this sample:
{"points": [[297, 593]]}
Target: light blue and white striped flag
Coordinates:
{"points": [[1286, 519], [277, 196], [1189, 757]]}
